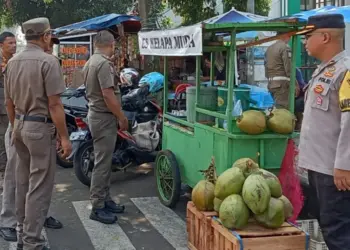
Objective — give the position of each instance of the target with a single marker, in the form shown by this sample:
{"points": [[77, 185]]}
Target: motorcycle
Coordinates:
{"points": [[71, 112], [138, 109]]}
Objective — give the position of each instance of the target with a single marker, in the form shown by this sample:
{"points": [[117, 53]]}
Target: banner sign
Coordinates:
{"points": [[186, 41]]}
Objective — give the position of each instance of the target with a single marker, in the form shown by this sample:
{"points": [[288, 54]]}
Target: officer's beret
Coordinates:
{"points": [[324, 21], [36, 26]]}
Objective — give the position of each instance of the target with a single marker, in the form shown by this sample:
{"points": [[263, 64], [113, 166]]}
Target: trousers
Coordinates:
{"points": [[334, 210], [8, 210], [103, 127], [35, 144], [279, 90], [4, 121]]}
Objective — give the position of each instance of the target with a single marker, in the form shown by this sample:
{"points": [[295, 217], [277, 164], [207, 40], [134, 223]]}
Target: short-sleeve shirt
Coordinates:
{"points": [[324, 134], [99, 73], [278, 60], [30, 78], [3, 63]]}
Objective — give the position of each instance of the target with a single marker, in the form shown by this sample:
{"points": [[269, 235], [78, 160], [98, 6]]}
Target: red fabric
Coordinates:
{"points": [[290, 180]]}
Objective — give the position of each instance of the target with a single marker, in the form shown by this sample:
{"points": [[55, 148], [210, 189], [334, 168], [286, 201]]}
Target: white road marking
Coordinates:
{"points": [[166, 221], [103, 237]]}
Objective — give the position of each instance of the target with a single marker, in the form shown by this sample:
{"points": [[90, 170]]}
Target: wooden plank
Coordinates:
{"points": [[255, 230], [200, 232], [291, 242]]}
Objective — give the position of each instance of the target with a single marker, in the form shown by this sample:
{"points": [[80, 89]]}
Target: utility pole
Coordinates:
{"points": [[144, 9], [251, 6]]}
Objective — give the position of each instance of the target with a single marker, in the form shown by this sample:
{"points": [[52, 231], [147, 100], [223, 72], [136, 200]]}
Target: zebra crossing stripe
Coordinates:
{"points": [[13, 245], [103, 237], [164, 220]]}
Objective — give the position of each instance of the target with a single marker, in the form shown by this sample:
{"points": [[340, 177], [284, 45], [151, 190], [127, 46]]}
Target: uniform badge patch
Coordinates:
{"points": [[319, 100], [328, 74], [331, 69], [318, 89]]}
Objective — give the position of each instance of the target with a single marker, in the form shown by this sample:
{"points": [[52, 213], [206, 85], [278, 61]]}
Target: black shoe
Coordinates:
{"points": [[19, 246], [9, 234], [103, 215], [52, 223], [112, 207]]}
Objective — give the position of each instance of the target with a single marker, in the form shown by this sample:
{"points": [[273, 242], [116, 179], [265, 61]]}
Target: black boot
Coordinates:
{"points": [[103, 215], [9, 234], [19, 246], [112, 207], [52, 223]]}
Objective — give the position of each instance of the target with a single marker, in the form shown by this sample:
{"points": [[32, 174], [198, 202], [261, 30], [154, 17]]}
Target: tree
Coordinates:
{"points": [[262, 7], [60, 12], [194, 11]]}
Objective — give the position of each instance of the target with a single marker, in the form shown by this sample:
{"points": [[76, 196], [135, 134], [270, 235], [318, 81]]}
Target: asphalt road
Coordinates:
{"points": [[146, 225]]}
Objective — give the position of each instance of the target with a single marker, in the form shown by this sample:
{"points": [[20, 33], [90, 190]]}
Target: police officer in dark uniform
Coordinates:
{"points": [[324, 148]]}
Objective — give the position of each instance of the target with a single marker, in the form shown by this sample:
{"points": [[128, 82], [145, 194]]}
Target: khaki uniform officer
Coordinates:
{"points": [[104, 113], [8, 220], [277, 71], [33, 84], [7, 50], [324, 148]]}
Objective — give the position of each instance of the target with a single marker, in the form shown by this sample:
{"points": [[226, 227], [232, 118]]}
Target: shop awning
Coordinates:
{"points": [[235, 16], [304, 15], [98, 23]]}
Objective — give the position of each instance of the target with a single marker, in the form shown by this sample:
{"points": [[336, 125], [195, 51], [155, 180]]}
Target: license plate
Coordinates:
{"points": [[78, 135]]}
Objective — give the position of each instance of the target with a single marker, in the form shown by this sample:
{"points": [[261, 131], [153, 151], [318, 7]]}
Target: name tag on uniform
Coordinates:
{"points": [[325, 80]]}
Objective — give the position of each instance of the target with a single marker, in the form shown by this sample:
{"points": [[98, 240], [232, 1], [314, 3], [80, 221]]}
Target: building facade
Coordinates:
{"points": [[288, 7]]}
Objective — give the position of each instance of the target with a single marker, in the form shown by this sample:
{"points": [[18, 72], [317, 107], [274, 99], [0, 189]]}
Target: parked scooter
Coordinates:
{"points": [[71, 112], [127, 152]]}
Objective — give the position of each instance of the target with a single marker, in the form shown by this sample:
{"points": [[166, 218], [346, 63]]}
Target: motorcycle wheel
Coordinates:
{"points": [[84, 162]]}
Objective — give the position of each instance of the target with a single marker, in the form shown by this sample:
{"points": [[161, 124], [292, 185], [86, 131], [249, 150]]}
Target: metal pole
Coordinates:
{"points": [[143, 7], [251, 6]]}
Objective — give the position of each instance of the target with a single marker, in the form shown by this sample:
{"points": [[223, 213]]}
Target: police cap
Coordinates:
{"points": [[36, 27], [324, 21]]}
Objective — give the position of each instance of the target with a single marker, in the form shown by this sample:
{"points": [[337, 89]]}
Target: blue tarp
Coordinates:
{"points": [[304, 15], [98, 23], [235, 16]]}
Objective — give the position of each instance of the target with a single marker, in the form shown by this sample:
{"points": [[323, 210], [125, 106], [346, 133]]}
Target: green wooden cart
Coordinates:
{"points": [[188, 147]]}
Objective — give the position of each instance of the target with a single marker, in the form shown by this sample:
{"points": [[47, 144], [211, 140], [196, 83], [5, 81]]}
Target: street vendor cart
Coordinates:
{"points": [[189, 144]]}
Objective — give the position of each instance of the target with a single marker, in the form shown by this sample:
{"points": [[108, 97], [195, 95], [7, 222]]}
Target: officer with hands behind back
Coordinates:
{"points": [[104, 114], [33, 84], [324, 148]]}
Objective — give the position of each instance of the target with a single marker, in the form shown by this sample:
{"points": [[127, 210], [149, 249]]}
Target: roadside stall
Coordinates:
{"points": [[250, 142], [76, 43]]}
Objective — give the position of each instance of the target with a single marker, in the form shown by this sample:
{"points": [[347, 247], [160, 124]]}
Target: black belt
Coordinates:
{"points": [[33, 118]]}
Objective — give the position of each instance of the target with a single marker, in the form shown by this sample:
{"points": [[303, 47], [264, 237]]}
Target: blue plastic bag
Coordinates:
{"points": [[155, 80]]}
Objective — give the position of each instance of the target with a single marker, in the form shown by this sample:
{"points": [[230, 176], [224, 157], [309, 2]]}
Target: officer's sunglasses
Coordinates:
{"points": [[308, 36]]}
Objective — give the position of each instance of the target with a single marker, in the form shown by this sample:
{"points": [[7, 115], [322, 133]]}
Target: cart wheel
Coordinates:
{"points": [[168, 178]]}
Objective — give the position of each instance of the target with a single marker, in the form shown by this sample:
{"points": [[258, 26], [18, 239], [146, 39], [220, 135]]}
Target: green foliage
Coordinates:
{"points": [[262, 7], [60, 12], [194, 11], [155, 18]]}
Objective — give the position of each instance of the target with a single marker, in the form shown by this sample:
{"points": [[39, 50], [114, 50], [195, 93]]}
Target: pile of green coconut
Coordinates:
{"points": [[242, 192], [255, 122]]}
